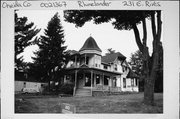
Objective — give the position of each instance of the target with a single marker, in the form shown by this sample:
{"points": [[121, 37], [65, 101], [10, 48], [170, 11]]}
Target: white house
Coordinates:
{"points": [[91, 72]]}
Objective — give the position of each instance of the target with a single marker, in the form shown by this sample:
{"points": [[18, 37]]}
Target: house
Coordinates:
{"points": [[93, 73]]}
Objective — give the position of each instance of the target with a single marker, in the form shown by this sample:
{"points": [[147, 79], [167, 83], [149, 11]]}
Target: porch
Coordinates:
{"points": [[87, 80]]}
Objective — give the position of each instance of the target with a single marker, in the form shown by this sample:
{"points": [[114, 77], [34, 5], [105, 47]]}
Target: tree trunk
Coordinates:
{"points": [[151, 76], [149, 90], [49, 83], [150, 65]]}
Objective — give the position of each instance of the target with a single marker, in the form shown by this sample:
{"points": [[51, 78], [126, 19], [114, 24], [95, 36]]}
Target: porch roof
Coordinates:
{"points": [[96, 70]]}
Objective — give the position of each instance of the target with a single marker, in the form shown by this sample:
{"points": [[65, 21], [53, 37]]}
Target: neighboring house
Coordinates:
{"points": [[23, 82], [91, 72]]}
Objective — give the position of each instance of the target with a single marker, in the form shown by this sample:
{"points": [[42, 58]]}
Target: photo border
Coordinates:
{"points": [[171, 59]]}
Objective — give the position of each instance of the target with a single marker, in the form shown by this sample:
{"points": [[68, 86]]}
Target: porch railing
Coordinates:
{"points": [[106, 88]]}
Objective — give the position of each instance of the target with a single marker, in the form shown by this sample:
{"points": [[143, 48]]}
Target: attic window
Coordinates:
{"points": [[115, 67], [105, 67]]}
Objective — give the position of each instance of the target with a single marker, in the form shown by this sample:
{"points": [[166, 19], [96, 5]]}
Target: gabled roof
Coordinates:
{"points": [[72, 52], [131, 74], [111, 57], [90, 44], [125, 63]]}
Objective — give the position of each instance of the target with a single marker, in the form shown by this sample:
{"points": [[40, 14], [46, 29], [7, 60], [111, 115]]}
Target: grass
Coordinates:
{"points": [[127, 103]]}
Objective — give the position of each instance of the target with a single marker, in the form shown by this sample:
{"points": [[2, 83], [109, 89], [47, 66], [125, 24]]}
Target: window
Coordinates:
{"points": [[124, 82], [105, 67], [123, 68], [114, 82], [115, 67], [67, 77], [136, 82], [132, 82], [24, 84], [106, 80], [97, 79], [87, 60]]}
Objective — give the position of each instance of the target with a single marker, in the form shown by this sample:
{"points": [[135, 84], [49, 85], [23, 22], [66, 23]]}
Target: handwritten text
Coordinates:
{"points": [[93, 3], [53, 4], [16, 4], [141, 3]]}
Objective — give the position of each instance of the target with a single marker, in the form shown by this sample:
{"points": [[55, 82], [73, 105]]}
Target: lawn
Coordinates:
{"points": [[127, 103]]}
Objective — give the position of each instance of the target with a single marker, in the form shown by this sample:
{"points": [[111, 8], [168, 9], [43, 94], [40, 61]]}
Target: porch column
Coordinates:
{"points": [[64, 79], [85, 59], [95, 79], [91, 81], [137, 84], [103, 79], [75, 61], [110, 81], [84, 79], [120, 83], [75, 82]]}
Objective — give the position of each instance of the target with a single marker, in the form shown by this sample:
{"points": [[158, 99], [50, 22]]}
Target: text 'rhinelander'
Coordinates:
{"points": [[93, 3]]}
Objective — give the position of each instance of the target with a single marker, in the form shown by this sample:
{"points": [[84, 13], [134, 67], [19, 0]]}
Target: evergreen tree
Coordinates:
{"points": [[24, 34], [51, 56], [136, 62]]}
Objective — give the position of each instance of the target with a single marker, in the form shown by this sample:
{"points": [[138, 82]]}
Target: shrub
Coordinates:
{"points": [[66, 89]]}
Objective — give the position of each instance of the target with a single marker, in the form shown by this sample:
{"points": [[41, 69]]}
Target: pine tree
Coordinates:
{"points": [[24, 34], [51, 56]]}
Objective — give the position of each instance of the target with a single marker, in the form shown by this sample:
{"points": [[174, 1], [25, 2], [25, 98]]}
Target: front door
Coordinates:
{"points": [[87, 80], [80, 81]]}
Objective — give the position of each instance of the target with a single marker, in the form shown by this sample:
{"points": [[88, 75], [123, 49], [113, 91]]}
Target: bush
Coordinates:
{"points": [[66, 89]]}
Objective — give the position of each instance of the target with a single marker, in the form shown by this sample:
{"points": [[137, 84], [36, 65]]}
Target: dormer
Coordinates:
{"points": [[114, 60]]}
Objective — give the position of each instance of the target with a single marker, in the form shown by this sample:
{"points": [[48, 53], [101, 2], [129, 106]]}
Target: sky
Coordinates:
{"points": [[105, 35]]}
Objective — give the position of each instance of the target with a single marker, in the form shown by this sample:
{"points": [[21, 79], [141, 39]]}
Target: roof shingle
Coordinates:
{"points": [[111, 57], [90, 44]]}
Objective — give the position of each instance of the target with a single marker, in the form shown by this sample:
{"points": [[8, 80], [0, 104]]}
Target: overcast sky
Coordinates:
{"points": [[104, 34]]}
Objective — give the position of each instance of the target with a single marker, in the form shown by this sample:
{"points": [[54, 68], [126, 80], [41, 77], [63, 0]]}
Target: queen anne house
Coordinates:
{"points": [[93, 73]]}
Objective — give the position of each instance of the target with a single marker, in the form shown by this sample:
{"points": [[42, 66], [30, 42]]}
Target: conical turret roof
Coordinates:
{"points": [[90, 44]]}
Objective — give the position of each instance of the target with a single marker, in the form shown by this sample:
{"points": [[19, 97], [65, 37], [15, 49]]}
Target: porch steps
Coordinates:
{"points": [[82, 92]]}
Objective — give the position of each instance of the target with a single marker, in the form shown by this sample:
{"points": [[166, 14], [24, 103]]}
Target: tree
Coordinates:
{"points": [[51, 56], [24, 34], [136, 61], [127, 20]]}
